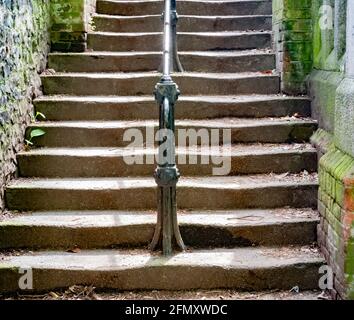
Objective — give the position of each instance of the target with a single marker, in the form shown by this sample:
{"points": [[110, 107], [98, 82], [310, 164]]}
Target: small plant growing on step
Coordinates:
{"points": [[39, 115], [35, 133]]}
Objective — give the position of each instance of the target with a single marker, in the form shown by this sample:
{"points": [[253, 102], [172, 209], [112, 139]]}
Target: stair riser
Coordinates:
{"points": [[186, 42], [140, 235], [113, 137], [144, 110], [145, 198], [151, 62], [69, 166], [186, 7], [185, 24], [143, 85], [304, 275]]}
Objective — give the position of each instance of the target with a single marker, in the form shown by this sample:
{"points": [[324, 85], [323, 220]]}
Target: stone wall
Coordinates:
{"points": [[23, 51], [329, 46], [332, 90], [70, 24], [314, 43], [27, 28], [293, 43]]}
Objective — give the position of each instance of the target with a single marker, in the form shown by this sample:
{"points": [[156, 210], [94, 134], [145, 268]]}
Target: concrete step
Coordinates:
{"points": [[242, 269], [111, 133], [148, 7], [202, 229], [112, 162], [76, 108], [128, 84], [258, 191], [187, 41], [222, 61], [186, 23]]}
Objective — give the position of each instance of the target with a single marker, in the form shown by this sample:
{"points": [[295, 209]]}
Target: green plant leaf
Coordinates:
{"points": [[40, 115], [37, 133]]}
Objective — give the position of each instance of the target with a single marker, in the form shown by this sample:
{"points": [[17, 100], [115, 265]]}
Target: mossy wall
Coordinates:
{"points": [[24, 42], [332, 93], [311, 44], [293, 43], [336, 229], [329, 47], [70, 24], [27, 29]]}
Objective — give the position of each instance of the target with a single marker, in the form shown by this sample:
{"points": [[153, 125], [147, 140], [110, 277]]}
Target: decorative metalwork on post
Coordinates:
{"points": [[167, 233]]}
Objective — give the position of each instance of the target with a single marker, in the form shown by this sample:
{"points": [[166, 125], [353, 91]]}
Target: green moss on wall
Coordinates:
{"points": [[336, 206], [24, 28], [329, 39], [293, 43], [70, 22]]}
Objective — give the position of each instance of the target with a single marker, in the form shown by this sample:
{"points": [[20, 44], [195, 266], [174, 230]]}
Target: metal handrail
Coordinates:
{"points": [[166, 174]]}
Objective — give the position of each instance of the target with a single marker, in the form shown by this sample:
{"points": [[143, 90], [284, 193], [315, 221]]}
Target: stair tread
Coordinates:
{"points": [[131, 75], [158, 16], [244, 258], [216, 99], [214, 53], [215, 1], [161, 1], [207, 123], [235, 150], [205, 34], [99, 219], [241, 268], [208, 182]]}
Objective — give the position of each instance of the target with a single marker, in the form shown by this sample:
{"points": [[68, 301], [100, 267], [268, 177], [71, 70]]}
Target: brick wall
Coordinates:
{"points": [[70, 24], [332, 94], [292, 27], [336, 207]]}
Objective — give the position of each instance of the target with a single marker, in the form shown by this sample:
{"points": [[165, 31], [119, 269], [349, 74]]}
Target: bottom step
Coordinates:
{"points": [[242, 269]]}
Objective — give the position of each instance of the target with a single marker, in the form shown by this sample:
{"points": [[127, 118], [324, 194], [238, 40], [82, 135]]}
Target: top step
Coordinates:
{"points": [[221, 7]]}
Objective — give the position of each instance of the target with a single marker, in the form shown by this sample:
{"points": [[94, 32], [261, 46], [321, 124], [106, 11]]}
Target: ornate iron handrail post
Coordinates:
{"points": [[166, 174]]}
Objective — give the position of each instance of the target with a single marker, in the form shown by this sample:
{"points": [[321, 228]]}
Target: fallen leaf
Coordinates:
{"points": [[53, 295], [295, 289], [74, 250], [267, 71]]}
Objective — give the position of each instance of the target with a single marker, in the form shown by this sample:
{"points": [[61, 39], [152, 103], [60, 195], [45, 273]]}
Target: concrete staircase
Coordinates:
{"points": [[251, 230]]}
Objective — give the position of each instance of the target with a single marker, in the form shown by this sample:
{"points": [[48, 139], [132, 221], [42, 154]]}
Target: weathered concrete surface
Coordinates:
{"points": [[128, 8], [111, 133], [187, 41], [243, 269], [111, 162], [186, 23], [127, 84], [214, 61], [344, 122], [323, 86], [267, 191], [64, 108], [205, 229]]}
